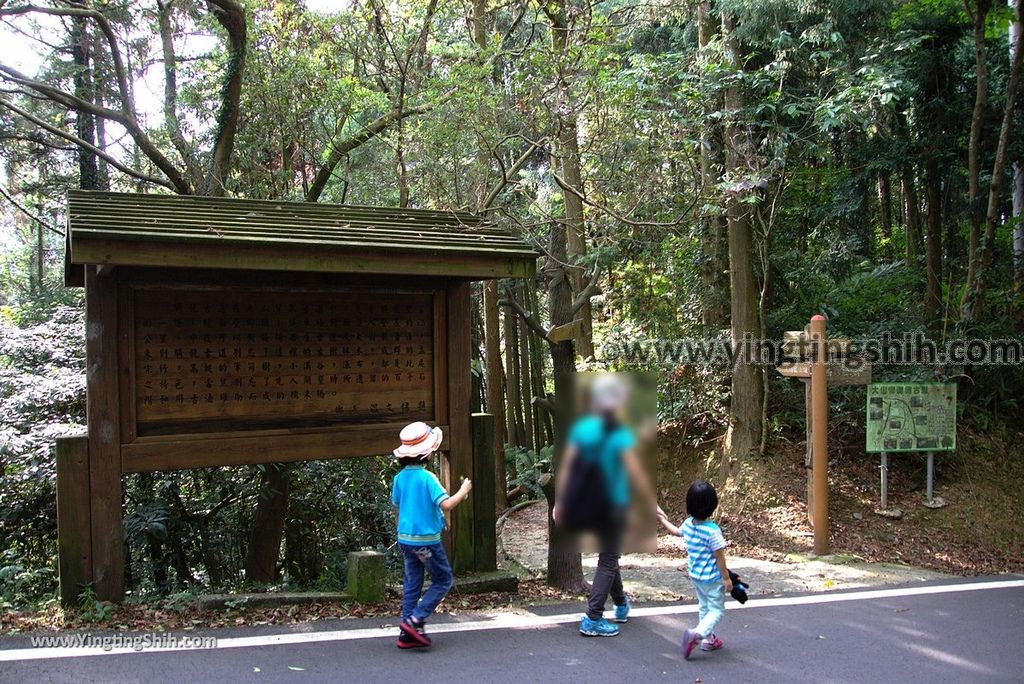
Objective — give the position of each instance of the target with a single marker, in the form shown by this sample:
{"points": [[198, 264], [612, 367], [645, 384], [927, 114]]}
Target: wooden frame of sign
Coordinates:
{"points": [[208, 366]]}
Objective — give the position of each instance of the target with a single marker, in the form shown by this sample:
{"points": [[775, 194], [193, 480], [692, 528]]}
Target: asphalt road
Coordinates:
{"points": [[962, 633]]}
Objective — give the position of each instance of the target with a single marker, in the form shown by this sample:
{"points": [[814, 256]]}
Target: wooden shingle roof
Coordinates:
{"points": [[126, 229]]}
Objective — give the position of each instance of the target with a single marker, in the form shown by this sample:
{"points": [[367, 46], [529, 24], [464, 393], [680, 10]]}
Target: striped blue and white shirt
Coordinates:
{"points": [[702, 538]]}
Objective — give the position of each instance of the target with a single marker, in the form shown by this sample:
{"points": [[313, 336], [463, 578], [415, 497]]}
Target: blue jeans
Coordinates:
{"points": [[711, 597], [429, 557]]}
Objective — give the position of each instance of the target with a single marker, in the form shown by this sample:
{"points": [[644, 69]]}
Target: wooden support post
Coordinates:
{"points": [[74, 534], [819, 420], [485, 548], [808, 462], [102, 416], [460, 449]]}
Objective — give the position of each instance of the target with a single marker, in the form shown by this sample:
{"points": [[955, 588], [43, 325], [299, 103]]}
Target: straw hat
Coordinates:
{"points": [[418, 439]]}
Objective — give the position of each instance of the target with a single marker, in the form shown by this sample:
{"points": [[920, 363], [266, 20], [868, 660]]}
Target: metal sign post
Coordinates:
{"points": [[910, 417]]}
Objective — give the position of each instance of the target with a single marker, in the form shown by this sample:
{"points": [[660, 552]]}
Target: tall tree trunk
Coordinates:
{"points": [[565, 565], [933, 240], [913, 217], [972, 304], [231, 16], [268, 525], [568, 166], [979, 14], [885, 212], [1018, 177], [525, 382], [85, 124], [541, 418], [492, 322], [495, 393], [517, 434], [714, 309], [744, 433]]}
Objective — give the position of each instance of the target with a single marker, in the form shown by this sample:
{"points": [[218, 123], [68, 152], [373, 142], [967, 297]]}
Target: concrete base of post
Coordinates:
{"points": [[366, 576]]}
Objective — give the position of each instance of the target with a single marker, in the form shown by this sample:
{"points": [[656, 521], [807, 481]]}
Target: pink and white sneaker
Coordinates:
{"points": [[690, 639], [712, 643]]}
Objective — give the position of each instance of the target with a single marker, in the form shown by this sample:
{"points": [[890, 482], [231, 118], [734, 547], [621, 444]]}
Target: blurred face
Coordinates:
{"points": [[608, 394]]}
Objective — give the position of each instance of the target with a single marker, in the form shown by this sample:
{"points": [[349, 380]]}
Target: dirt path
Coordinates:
{"points": [[652, 576]]}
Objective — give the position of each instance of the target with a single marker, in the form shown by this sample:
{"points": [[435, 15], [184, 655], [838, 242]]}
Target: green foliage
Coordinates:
{"points": [[91, 609], [21, 584], [528, 467]]}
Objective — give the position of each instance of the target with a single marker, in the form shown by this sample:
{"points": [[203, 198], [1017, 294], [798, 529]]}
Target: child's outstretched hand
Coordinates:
{"points": [[467, 485]]}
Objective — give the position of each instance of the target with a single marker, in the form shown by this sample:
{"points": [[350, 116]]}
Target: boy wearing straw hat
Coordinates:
{"points": [[422, 503]]}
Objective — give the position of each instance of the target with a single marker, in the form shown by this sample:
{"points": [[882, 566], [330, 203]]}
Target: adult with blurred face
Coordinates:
{"points": [[600, 436]]}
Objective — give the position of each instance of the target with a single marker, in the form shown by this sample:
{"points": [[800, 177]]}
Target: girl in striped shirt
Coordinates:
{"points": [[705, 549]]}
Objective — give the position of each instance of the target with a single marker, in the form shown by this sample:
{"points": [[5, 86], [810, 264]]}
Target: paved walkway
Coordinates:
{"points": [[959, 631], [524, 540]]}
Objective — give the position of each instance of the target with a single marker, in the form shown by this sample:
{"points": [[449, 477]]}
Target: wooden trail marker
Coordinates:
{"points": [[819, 362], [819, 438]]}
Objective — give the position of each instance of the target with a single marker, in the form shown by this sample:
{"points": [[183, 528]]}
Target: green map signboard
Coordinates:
{"points": [[911, 416]]}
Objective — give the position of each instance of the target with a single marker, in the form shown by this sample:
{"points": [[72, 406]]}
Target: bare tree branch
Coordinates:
{"points": [[341, 148], [591, 289], [617, 216], [179, 183], [530, 319], [86, 145], [127, 104], [506, 175], [26, 212]]}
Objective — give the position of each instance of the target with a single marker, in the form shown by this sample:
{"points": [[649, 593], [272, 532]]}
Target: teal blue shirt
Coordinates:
{"points": [[589, 436], [418, 495]]}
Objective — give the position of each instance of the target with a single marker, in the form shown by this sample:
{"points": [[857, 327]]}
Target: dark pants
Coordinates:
{"points": [[429, 557], [607, 579]]}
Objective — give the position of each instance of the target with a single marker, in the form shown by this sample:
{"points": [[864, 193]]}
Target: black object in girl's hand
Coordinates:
{"points": [[739, 587]]}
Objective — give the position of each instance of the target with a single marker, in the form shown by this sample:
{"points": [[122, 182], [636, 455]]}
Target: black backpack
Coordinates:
{"points": [[584, 504]]}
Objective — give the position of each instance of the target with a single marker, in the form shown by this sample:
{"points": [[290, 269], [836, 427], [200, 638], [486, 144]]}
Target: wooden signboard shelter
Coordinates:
{"points": [[230, 332]]}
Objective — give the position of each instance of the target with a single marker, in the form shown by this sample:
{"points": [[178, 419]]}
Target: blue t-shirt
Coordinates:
{"points": [[593, 442], [702, 539], [418, 495]]}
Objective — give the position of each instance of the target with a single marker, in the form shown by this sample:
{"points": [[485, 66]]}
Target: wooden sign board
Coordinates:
{"points": [[225, 369], [569, 331], [797, 344], [838, 374], [258, 360]]}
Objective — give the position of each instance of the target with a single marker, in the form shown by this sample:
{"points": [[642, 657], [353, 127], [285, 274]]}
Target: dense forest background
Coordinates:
{"points": [[689, 169]]}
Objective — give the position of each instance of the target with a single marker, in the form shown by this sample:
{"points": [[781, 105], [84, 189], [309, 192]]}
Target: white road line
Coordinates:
{"points": [[512, 621]]}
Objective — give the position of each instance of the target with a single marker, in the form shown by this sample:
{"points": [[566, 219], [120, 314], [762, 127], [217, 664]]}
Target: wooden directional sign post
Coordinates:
{"points": [[229, 332], [819, 363]]}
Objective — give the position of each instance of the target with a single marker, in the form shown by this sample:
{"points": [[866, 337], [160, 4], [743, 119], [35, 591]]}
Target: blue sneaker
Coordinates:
{"points": [[622, 612], [599, 627]]}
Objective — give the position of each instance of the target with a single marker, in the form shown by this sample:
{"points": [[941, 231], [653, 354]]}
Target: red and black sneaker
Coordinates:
{"points": [[405, 641], [416, 632]]}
